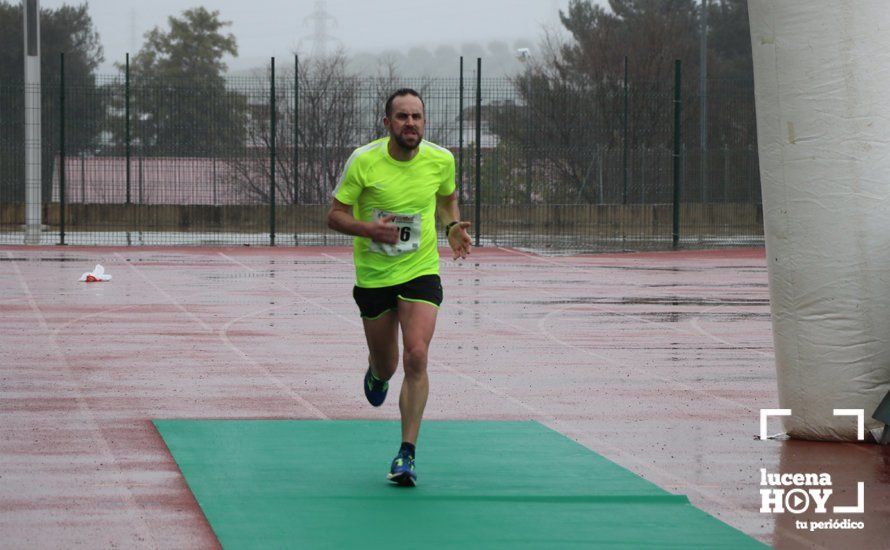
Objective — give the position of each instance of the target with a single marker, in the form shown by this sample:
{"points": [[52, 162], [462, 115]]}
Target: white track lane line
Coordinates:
{"points": [[358, 324], [694, 324], [223, 334], [118, 478], [315, 411], [648, 373]]}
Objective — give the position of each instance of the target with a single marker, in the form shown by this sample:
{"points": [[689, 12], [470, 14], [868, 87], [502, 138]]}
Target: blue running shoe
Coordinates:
{"points": [[375, 390], [402, 470]]}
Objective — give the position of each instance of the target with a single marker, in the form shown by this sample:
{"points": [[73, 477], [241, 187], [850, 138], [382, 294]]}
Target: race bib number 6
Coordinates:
{"points": [[409, 234]]}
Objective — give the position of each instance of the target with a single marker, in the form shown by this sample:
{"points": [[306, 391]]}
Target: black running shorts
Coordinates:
{"points": [[374, 302]]}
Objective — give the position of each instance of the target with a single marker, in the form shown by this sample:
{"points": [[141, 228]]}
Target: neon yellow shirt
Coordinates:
{"points": [[374, 184]]}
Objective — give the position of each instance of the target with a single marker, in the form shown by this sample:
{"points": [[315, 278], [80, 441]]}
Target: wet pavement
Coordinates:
{"points": [[658, 361]]}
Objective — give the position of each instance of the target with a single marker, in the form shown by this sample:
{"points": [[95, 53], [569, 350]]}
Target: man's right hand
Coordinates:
{"points": [[382, 230]]}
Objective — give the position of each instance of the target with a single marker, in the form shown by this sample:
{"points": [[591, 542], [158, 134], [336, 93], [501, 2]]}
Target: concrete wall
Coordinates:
{"points": [[595, 220]]}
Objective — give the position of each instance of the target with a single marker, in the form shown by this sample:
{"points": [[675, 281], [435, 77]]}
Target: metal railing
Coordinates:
{"points": [[545, 165]]}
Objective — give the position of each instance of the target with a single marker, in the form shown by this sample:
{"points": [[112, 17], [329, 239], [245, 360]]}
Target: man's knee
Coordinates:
{"points": [[416, 358]]}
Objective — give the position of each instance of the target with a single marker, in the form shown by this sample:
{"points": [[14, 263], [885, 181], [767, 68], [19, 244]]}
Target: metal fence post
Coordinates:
{"points": [[296, 168], [478, 219], [460, 136], [677, 105], [83, 178], [529, 136], [272, 156], [703, 103], [725, 178], [62, 148], [624, 141], [127, 120]]}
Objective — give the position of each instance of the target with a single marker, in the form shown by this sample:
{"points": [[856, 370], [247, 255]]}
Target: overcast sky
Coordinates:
{"points": [[277, 27]]}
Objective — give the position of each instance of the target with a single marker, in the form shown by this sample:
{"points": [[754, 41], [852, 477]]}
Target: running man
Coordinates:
{"points": [[388, 197]]}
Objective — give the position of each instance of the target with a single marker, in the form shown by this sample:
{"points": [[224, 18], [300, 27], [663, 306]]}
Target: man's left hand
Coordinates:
{"points": [[459, 240]]}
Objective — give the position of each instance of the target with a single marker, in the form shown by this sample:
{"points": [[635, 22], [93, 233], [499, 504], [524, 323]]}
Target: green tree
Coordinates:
{"points": [[729, 40], [180, 102], [574, 96], [68, 29], [652, 33], [731, 118]]}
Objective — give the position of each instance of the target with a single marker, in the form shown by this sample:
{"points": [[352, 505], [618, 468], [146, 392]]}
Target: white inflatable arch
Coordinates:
{"points": [[822, 86]]}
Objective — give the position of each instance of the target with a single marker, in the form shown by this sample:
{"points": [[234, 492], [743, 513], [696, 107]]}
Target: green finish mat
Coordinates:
{"points": [[322, 484]]}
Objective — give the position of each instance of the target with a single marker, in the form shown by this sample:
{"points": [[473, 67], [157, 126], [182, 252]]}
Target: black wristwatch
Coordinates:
{"points": [[448, 228]]}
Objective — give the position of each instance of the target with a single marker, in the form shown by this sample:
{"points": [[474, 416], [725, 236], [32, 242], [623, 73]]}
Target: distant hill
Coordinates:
{"points": [[498, 60]]}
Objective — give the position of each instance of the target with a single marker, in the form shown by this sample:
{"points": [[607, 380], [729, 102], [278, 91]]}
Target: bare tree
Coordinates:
{"points": [[388, 80], [318, 124], [337, 112]]}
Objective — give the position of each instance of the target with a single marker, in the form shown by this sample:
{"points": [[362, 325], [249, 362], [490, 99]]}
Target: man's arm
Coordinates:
{"points": [[449, 213], [340, 219]]}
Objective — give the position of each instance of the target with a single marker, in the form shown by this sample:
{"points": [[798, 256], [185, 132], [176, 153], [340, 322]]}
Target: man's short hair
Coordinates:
{"points": [[399, 93]]}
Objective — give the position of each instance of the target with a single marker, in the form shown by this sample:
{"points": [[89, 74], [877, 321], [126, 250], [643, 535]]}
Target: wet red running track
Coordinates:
{"points": [[658, 361]]}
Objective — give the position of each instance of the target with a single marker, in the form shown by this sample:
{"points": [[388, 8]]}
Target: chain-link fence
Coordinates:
{"points": [[542, 164]]}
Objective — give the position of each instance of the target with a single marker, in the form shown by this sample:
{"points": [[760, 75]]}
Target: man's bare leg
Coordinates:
{"points": [[418, 322]]}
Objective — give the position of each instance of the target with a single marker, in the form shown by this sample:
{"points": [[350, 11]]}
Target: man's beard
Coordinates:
{"points": [[405, 145]]}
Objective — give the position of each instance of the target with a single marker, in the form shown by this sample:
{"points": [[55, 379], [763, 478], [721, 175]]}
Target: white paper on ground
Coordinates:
{"points": [[96, 275]]}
